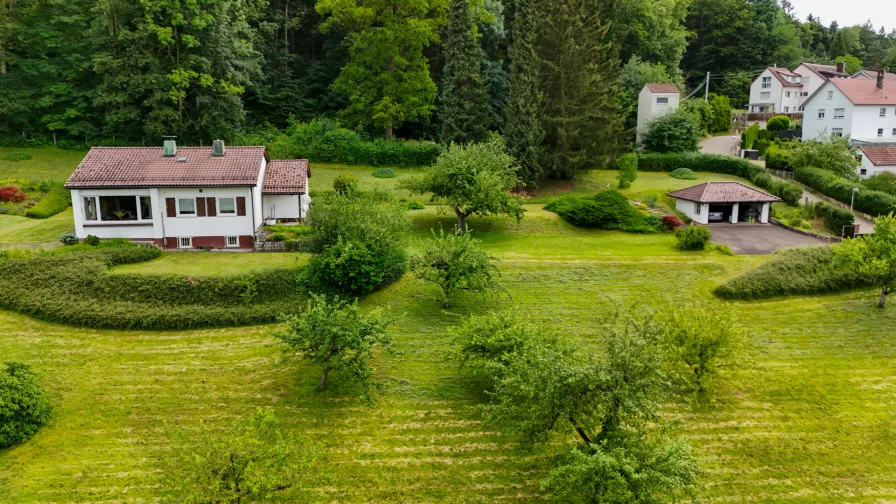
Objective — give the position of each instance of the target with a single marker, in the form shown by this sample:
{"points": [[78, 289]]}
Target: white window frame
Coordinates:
{"points": [[880, 132], [99, 214], [837, 132], [802, 108], [804, 93], [883, 112], [786, 108], [185, 242], [235, 239], [765, 95], [787, 94], [830, 95], [220, 207], [766, 83], [841, 114], [821, 113], [181, 214], [697, 208], [894, 132]]}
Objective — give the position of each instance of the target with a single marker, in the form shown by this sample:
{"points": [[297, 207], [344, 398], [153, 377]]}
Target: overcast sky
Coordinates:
{"points": [[848, 13]]}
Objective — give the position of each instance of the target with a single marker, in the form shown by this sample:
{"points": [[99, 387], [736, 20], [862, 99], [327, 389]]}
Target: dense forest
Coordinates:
{"points": [[545, 71]]}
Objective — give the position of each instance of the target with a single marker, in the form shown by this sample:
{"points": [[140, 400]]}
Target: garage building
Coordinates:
{"points": [[723, 202]]}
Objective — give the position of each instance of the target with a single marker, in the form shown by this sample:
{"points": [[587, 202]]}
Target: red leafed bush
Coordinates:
{"points": [[12, 194], [672, 221]]}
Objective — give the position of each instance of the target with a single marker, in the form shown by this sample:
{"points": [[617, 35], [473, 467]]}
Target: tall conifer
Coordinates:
{"points": [[464, 112], [524, 129]]}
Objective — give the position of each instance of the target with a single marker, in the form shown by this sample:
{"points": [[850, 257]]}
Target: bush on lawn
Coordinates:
{"points": [[778, 123], [672, 221], [57, 200], [777, 158], [91, 240], [24, 404], [628, 170], [414, 205], [16, 156], [866, 200], [351, 268], [762, 146], [72, 286], [834, 217], [692, 237], [68, 239], [11, 194], [384, 173], [683, 174], [605, 210], [345, 183], [673, 132], [799, 271]]}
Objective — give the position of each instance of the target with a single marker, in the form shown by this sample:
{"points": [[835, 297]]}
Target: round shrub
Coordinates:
{"points": [[605, 210], [384, 173], [414, 205], [692, 237], [24, 404], [16, 156], [778, 123], [12, 194], [277, 237], [672, 221], [674, 132], [683, 174], [352, 269], [3, 210], [68, 239], [91, 240], [345, 183]]}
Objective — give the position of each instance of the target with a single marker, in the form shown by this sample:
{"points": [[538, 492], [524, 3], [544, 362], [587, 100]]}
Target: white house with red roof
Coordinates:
{"points": [[723, 202], [877, 159], [185, 197], [862, 109], [655, 100], [779, 90]]}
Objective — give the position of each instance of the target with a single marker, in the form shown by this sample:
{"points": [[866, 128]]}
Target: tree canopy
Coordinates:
{"points": [[872, 258]]}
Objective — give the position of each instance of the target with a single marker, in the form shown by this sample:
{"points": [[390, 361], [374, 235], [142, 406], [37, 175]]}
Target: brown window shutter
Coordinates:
{"points": [[210, 203], [200, 207], [170, 207], [241, 205]]}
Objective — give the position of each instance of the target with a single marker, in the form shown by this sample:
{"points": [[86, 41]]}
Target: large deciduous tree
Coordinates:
{"points": [[387, 79], [702, 339], [833, 154], [464, 109], [651, 30], [524, 127], [580, 80], [872, 259], [470, 180]]}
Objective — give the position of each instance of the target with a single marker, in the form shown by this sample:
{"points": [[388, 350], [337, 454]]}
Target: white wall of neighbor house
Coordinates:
{"points": [[830, 112], [285, 206], [652, 105], [697, 212], [872, 169], [257, 199]]}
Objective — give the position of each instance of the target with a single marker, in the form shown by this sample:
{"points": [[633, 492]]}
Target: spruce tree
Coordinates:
{"points": [[464, 113], [580, 80], [524, 129]]}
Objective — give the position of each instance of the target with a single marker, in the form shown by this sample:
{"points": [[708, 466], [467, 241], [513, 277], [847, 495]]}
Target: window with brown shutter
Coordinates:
{"points": [[200, 207], [212, 209], [241, 206], [170, 208]]}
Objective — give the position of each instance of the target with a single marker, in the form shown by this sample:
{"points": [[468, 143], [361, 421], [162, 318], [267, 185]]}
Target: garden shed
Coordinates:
{"points": [[733, 202]]}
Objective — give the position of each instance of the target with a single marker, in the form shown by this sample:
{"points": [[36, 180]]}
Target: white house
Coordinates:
{"points": [[862, 109], [872, 74], [655, 100], [877, 159], [723, 202], [185, 197], [779, 90]]}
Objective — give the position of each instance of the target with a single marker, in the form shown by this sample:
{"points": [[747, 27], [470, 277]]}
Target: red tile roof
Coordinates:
{"points": [[880, 155], [662, 88], [778, 72], [286, 177], [146, 167], [826, 69], [723, 192], [865, 91], [872, 74]]}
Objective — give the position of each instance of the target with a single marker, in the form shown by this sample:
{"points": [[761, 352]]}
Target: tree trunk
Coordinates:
{"points": [[323, 379], [390, 67], [461, 224], [389, 132], [883, 297], [579, 430]]}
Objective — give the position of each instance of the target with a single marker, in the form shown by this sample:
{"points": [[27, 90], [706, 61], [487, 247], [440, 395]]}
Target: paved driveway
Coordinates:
{"points": [[755, 239]]}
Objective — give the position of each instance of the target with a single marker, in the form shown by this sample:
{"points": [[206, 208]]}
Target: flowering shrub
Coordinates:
{"points": [[672, 221], [12, 194]]}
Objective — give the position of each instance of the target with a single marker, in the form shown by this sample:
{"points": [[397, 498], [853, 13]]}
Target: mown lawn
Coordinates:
{"points": [[17, 229], [213, 263], [809, 418], [46, 163]]}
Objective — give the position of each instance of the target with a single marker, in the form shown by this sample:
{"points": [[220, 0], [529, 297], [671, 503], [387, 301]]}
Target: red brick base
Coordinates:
{"points": [[215, 242]]}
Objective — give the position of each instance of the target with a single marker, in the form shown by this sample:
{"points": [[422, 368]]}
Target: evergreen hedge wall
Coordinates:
{"points": [[866, 200]]}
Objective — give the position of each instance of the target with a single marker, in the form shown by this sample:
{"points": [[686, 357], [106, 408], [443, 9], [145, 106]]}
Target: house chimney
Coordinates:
{"points": [[841, 66], [218, 148], [880, 79], [169, 147]]}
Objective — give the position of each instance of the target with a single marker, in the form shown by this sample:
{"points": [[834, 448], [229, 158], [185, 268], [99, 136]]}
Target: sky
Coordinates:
{"points": [[849, 13]]}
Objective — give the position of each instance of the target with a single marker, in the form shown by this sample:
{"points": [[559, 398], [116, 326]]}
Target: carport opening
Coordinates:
{"points": [[720, 213], [750, 212]]}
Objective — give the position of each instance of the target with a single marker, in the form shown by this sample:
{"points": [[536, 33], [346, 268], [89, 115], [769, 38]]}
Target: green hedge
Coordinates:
{"points": [[798, 271], [866, 200], [54, 202], [607, 209], [834, 217], [749, 136], [75, 288], [777, 158]]}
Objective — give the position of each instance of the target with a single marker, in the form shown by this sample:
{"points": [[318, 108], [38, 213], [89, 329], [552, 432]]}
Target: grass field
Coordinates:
{"points": [[45, 164], [808, 418], [16, 229], [213, 263]]}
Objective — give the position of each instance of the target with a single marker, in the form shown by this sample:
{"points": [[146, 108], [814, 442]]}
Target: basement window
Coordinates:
{"points": [[185, 242], [233, 241]]}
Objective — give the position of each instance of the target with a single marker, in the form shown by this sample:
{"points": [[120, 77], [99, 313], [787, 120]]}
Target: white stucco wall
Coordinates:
{"points": [[872, 169], [860, 122], [688, 208], [285, 206], [648, 108]]}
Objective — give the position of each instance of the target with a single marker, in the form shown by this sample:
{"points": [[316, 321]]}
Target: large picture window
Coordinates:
{"points": [[227, 206], [118, 208]]}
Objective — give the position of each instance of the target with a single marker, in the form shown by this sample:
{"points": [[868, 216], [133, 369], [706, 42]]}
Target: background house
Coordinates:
{"points": [[655, 100], [186, 197], [877, 159], [863, 109], [784, 91], [723, 202]]}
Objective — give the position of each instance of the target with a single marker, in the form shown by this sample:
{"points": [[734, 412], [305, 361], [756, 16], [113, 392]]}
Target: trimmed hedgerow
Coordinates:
{"points": [[777, 158], [799, 271], [75, 288], [605, 210], [866, 200], [54, 202], [834, 217]]}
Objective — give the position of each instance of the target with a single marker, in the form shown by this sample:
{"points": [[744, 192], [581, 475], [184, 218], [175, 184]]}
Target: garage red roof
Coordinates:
{"points": [[662, 88], [880, 155], [147, 167], [286, 177], [723, 192]]}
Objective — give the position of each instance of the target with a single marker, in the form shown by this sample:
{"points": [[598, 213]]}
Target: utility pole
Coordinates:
{"points": [[706, 94]]}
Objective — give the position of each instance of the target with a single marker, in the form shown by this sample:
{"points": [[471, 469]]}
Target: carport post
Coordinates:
{"points": [[735, 207]]}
